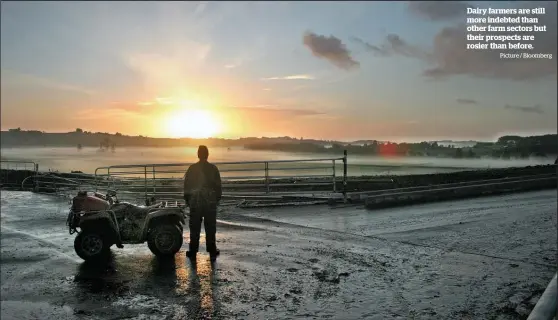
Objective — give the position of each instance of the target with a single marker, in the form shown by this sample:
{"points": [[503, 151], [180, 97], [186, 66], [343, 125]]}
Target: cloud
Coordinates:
{"points": [[274, 109], [147, 106], [452, 58], [98, 114], [293, 77], [200, 8], [527, 109], [172, 71], [439, 10], [133, 107], [231, 66], [449, 56], [393, 45], [467, 101], [22, 79], [331, 49]]}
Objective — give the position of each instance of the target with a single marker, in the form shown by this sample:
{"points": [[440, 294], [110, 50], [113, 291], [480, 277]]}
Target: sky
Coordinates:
{"points": [[346, 70]]}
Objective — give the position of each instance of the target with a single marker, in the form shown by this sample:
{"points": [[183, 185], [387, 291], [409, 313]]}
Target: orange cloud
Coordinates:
{"points": [[292, 77]]}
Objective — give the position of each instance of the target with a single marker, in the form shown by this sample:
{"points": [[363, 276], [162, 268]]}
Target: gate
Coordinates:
{"points": [[251, 180], [12, 172]]}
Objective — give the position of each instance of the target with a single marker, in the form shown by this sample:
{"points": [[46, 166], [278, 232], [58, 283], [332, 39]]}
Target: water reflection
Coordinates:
{"points": [[190, 284], [100, 277], [197, 281], [163, 275]]}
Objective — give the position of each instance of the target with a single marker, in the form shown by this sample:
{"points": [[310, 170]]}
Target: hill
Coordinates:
{"points": [[505, 147]]}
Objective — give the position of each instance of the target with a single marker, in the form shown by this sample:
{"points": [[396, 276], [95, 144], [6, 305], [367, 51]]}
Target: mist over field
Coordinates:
{"points": [[66, 159]]}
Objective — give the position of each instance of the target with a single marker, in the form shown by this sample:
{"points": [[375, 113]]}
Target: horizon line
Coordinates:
{"points": [[399, 140]]}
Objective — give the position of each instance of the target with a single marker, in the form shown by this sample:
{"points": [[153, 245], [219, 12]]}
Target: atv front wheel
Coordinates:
{"points": [[165, 240], [91, 246]]}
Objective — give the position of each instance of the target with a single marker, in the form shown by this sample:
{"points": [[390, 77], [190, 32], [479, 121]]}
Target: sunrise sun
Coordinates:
{"points": [[191, 124]]}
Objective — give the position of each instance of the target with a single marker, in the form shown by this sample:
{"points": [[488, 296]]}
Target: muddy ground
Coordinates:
{"points": [[488, 258]]}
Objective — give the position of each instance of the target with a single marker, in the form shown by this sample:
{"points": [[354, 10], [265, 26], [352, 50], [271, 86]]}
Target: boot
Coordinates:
{"points": [[213, 255], [119, 242]]}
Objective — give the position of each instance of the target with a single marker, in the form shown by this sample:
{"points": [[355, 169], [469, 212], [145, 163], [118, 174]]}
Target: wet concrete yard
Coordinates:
{"points": [[486, 258]]}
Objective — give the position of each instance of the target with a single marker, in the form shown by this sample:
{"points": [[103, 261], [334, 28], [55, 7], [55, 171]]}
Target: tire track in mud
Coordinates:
{"points": [[23, 265], [53, 246], [336, 272], [398, 284], [382, 266], [267, 222], [550, 266]]}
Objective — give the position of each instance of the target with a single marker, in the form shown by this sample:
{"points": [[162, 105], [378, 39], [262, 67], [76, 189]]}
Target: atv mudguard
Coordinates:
{"points": [[162, 215], [101, 221]]}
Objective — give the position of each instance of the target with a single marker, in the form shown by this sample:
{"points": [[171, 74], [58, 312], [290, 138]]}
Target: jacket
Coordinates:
{"points": [[202, 185]]}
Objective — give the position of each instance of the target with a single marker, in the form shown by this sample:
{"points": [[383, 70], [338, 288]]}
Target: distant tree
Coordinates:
{"points": [[458, 153], [105, 143], [524, 154], [507, 139], [118, 134], [470, 153], [78, 130]]}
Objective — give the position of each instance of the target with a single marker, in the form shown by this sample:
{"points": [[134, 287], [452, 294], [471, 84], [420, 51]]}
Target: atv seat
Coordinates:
{"points": [[133, 212]]}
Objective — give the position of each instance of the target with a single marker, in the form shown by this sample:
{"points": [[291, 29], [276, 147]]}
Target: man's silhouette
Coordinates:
{"points": [[202, 192]]}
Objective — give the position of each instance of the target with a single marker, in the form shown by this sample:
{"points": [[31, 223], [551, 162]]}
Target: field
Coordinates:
{"points": [[88, 159]]}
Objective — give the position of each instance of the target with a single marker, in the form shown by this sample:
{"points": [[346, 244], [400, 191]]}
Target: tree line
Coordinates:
{"points": [[505, 147]]}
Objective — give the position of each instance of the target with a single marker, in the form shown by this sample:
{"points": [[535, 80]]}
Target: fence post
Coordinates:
{"points": [[154, 181], [266, 168], [109, 178], [145, 184], [334, 176], [345, 176], [36, 178]]}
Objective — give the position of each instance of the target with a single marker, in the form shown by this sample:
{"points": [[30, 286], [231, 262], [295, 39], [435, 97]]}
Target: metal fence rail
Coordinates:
{"points": [[362, 195], [12, 172], [455, 192], [312, 178], [63, 184]]}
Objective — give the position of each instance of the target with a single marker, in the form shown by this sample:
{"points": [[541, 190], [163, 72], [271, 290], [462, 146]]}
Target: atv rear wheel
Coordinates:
{"points": [[165, 240], [91, 246]]}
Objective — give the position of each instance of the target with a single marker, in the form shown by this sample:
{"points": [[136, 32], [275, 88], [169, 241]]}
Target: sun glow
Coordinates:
{"points": [[192, 123]]}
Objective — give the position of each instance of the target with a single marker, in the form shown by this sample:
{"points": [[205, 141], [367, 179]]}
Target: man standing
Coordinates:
{"points": [[202, 192]]}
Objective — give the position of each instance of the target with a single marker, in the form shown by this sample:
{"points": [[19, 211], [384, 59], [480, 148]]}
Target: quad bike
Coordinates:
{"points": [[104, 221]]}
